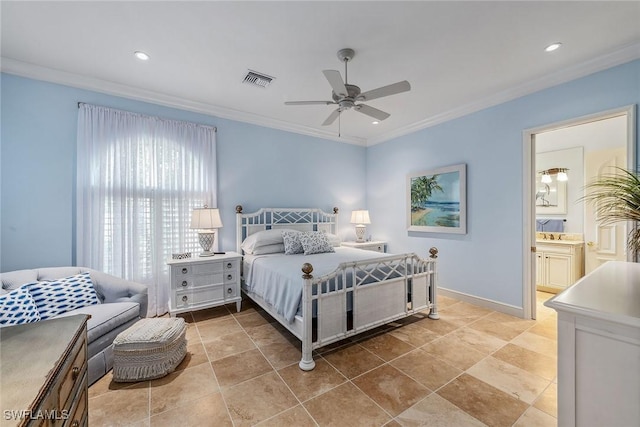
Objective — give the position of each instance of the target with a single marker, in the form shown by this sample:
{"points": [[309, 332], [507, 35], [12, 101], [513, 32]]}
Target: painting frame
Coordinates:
{"points": [[443, 212], [557, 197]]}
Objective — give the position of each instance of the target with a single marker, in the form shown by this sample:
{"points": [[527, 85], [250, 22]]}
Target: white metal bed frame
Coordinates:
{"points": [[403, 284]]}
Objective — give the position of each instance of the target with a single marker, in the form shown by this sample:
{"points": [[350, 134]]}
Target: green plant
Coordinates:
{"points": [[616, 198], [422, 188]]}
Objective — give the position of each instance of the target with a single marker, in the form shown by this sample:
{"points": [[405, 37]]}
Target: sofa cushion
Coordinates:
{"points": [[106, 317], [62, 295], [15, 279], [17, 307]]}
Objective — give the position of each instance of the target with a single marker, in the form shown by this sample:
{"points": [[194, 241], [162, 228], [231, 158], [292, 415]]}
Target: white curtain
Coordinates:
{"points": [[138, 179]]}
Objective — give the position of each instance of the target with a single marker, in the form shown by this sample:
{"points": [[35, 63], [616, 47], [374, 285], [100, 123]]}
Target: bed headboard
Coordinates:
{"points": [[302, 219]]}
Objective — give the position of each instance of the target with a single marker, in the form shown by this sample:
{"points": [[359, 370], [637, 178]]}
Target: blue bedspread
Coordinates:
{"points": [[277, 278]]}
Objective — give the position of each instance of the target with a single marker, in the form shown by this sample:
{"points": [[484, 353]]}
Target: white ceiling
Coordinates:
{"points": [[458, 56]]}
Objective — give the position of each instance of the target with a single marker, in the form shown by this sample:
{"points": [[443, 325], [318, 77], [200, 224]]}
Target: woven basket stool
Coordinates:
{"points": [[149, 349]]}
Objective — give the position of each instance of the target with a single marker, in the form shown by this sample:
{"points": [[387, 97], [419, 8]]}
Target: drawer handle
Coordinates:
{"points": [[229, 265], [229, 290], [184, 298], [74, 373], [184, 283], [229, 277], [184, 270]]}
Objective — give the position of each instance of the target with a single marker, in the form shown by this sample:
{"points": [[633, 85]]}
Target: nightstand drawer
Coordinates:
{"points": [[230, 291], [199, 296], [199, 281], [209, 268], [230, 277], [206, 282]]}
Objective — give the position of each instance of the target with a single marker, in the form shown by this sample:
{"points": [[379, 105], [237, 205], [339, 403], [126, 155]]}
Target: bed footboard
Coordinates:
{"points": [[362, 295]]}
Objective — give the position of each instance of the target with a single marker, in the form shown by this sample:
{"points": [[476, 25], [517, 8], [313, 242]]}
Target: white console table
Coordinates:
{"points": [[599, 348]]}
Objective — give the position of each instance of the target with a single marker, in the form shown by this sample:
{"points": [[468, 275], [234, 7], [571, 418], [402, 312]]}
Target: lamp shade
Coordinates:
{"points": [[360, 217], [205, 218]]}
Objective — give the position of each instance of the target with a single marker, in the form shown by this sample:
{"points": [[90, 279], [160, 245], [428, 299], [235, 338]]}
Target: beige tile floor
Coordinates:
{"points": [[473, 367]]}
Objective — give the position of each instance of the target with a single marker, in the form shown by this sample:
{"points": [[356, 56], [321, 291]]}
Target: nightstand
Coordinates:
{"points": [[204, 282], [373, 245]]}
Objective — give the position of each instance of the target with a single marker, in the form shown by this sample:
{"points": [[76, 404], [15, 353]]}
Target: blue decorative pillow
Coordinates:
{"points": [[315, 242], [292, 243], [17, 307], [62, 295]]}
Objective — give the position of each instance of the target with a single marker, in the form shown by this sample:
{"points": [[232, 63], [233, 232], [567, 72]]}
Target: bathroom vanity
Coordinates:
{"points": [[559, 263]]}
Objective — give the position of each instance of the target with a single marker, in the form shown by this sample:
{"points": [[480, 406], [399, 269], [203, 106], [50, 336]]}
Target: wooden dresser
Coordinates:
{"points": [[43, 372]]}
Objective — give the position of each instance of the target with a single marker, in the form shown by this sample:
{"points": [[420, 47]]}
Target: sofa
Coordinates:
{"points": [[121, 303]]}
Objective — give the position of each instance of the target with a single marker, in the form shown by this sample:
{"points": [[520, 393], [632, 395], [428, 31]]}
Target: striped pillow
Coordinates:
{"points": [[62, 295], [17, 307]]}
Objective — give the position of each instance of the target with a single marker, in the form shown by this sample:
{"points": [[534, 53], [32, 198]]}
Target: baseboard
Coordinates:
{"points": [[483, 302]]}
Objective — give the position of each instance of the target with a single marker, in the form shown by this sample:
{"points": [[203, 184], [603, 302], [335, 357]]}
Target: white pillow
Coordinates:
{"points": [[334, 239], [59, 296], [315, 242], [17, 307], [277, 248], [292, 244], [262, 238]]}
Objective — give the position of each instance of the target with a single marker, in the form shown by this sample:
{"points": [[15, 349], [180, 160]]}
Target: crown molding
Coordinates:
{"points": [[36, 72], [626, 54]]}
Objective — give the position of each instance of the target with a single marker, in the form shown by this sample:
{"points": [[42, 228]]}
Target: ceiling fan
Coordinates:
{"points": [[346, 95]]}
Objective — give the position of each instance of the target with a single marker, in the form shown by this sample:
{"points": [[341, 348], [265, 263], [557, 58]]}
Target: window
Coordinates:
{"points": [[139, 177]]}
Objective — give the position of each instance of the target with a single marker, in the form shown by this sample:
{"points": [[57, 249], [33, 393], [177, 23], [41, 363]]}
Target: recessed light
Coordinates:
{"points": [[141, 55], [552, 47], [375, 122]]}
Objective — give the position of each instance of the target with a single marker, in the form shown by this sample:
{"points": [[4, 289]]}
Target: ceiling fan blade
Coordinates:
{"points": [[309, 103], [332, 117], [335, 80], [391, 89], [370, 111]]}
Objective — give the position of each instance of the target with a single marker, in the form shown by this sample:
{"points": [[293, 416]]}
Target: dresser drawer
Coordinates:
{"points": [[195, 296], [78, 416], [72, 374]]}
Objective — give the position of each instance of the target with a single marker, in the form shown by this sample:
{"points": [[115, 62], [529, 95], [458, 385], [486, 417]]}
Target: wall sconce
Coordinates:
{"points": [[561, 174], [360, 218], [206, 220]]}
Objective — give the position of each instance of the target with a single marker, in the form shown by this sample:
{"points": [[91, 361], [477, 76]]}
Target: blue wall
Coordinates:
{"points": [[257, 167], [487, 261], [260, 166]]}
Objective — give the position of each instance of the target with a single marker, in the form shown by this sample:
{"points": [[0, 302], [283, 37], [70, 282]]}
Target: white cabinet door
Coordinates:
{"points": [[557, 269]]}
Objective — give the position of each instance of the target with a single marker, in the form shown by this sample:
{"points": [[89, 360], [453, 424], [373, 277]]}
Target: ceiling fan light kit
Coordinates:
{"points": [[345, 95]]}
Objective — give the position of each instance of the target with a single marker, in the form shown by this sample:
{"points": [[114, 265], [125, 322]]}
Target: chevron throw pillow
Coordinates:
{"points": [[62, 295], [17, 307]]}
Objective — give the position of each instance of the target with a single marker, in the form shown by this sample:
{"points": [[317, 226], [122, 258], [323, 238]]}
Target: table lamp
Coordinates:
{"points": [[360, 218], [206, 220]]}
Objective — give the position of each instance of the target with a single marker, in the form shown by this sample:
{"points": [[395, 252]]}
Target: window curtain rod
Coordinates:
{"points": [[215, 129]]}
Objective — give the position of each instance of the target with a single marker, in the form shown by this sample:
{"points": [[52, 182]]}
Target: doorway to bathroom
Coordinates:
{"points": [[562, 238]]}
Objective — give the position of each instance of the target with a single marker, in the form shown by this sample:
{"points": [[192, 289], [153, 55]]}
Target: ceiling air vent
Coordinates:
{"points": [[257, 79]]}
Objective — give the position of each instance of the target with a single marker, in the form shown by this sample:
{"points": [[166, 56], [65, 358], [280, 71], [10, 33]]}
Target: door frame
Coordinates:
{"points": [[528, 183]]}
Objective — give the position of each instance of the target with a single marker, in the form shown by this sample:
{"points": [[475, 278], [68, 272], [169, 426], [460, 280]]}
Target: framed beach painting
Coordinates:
{"points": [[437, 201]]}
